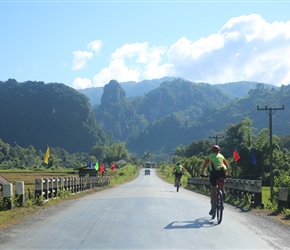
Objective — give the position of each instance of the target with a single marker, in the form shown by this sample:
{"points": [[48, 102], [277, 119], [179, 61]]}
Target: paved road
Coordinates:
{"points": [[146, 213]]}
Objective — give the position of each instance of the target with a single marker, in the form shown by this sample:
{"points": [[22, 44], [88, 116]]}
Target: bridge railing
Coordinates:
{"points": [[237, 188], [51, 187]]}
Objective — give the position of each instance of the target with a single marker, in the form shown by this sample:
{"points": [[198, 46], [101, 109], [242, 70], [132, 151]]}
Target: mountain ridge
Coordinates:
{"points": [[135, 89], [176, 112]]}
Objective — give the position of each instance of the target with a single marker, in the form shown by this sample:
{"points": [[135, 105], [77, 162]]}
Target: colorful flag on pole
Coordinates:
{"points": [[47, 154], [91, 165], [102, 168], [236, 156], [113, 167], [253, 157], [97, 166]]}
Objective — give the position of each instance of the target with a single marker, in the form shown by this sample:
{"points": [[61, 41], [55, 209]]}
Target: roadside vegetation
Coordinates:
{"points": [[270, 207]]}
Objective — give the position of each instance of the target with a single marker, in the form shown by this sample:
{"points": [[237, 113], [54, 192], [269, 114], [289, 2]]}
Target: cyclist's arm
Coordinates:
{"points": [[204, 166], [228, 168], [182, 170]]}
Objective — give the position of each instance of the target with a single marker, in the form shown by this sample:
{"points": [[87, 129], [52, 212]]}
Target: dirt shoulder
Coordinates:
{"points": [[278, 216]]}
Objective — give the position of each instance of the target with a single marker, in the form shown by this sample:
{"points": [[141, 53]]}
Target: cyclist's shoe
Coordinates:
{"points": [[174, 185], [212, 212], [224, 196]]}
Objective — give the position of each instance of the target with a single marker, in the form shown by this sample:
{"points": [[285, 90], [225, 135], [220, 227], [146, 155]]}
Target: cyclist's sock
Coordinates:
{"points": [[212, 211]]}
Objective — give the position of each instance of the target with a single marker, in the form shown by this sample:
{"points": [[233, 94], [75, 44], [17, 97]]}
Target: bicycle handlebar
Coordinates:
{"points": [[207, 176]]}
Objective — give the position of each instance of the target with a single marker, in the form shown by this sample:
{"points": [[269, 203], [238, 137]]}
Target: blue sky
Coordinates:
{"points": [[87, 43]]}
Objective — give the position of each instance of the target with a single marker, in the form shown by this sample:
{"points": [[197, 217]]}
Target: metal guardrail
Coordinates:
{"points": [[237, 187], [283, 197]]}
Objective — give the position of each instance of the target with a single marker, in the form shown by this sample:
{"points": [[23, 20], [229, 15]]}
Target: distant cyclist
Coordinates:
{"points": [[217, 167], [178, 170]]}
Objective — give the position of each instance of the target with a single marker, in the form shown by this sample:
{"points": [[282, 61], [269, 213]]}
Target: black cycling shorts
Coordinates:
{"points": [[216, 174], [178, 174]]}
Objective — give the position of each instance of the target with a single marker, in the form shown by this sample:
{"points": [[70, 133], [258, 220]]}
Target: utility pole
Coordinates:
{"points": [[216, 138], [270, 113]]}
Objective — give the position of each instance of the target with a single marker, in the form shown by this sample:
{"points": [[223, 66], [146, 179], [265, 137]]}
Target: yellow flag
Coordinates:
{"points": [[47, 154]]}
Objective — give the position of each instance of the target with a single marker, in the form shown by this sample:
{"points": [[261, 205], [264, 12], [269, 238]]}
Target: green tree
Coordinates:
{"points": [[116, 152], [99, 152], [146, 156], [192, 165], [198, 148]]}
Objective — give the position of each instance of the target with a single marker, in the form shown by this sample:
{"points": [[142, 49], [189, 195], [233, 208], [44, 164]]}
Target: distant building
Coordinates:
{"points": [[86, 171], [121, 162]]}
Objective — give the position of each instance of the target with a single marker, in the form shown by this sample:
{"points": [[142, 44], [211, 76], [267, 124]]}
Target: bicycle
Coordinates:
{"points": [[219, 208], [219, 200], [178, 182]]}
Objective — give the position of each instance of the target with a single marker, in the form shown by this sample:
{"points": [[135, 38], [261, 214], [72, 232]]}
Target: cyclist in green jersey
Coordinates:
{"points": [[178, 170], [217, 166]]}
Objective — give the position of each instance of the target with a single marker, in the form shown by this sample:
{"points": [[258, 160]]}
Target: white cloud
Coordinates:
{"points": [[82, 83], [80, 59], [117, 70], [133, 62], [184, 50], [95, 45], [246, 48]]}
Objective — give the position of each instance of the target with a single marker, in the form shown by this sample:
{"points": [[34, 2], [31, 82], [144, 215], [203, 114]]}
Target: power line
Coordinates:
{"points": [[216, 138], [250, 112], [270, 113], [255, 123]]}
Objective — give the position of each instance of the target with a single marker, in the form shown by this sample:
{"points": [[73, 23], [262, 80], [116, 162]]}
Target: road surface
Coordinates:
{"points": [[146, 213]]}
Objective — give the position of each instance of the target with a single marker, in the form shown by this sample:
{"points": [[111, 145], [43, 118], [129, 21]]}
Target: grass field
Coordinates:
{"points": [[266, 195], [28, 177]]}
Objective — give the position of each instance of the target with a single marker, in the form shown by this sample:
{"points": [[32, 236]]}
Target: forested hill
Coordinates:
{"points": [[179, 112], [38, 114], [187, 98], [168, 133], [127, 118], [175, 113]]}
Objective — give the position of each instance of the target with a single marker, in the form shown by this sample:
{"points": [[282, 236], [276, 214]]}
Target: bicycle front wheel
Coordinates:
{"points": [[177, 185], [219, 206]]}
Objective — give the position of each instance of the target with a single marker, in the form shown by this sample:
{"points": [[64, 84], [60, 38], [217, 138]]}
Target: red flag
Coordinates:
{"points": [[113, 167], [102, 168], [236, 156]]}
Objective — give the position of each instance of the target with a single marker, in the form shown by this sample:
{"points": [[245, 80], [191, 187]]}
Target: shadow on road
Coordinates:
{"points": [[198, 223]]}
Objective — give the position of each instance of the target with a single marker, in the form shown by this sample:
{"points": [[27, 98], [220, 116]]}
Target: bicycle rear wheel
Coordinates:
{"points": [[177, 184], [219, 206]]}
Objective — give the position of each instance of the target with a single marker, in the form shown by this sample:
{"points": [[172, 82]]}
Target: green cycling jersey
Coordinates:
{"points": [[179, 168], [216, 162]]}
